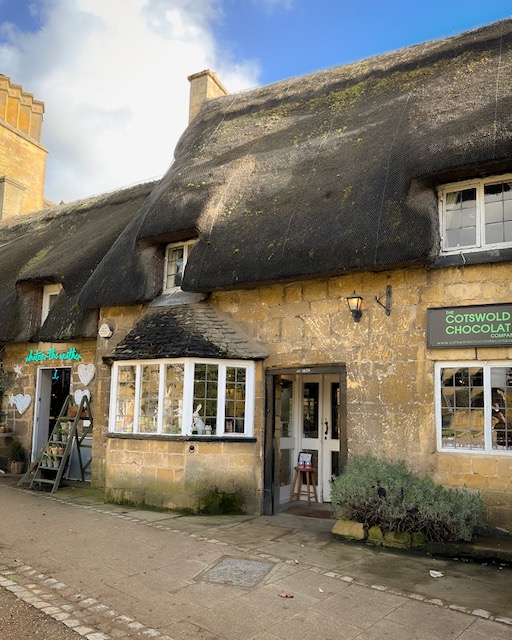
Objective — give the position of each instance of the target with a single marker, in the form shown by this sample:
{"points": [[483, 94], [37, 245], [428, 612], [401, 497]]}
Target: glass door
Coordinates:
{"points": [[287, 441], [320, 428]]}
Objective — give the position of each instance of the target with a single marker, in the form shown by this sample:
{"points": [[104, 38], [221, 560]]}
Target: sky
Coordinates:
{"points": [[113, 73]]}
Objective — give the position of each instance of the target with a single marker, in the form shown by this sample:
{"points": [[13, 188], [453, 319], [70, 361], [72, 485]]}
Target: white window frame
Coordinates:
{"points": [[188, 394], [472, 364], [49, 290], [175, 245], [479, 185]]}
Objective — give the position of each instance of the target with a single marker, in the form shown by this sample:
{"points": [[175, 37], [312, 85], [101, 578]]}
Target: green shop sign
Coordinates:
{"points": [[45, 356], [482, 326]]}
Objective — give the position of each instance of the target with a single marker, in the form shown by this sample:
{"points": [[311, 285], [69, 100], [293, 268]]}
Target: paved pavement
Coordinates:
{"points": [[109, 571]]}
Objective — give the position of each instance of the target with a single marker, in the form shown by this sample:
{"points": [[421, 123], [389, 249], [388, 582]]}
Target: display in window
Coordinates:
{"points": [[476, 408], [181, 398]]}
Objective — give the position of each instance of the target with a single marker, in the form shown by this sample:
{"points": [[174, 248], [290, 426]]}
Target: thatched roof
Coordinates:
{"points": [[64, 245], [187, 330], [327, 173]]}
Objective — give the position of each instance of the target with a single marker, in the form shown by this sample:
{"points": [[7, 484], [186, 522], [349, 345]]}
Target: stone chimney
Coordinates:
{"points": [[22, 157], [203, 86]]}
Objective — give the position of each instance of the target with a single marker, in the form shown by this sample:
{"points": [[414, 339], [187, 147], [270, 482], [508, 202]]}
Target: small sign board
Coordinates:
{"points": [[487, 325]]}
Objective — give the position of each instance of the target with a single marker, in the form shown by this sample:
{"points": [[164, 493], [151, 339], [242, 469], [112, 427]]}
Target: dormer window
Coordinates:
{"points": [[176, 256], [50, 294], [476, 215]]}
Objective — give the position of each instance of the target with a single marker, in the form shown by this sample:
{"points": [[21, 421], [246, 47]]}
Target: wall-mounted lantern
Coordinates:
{"points": [[354, 304]]}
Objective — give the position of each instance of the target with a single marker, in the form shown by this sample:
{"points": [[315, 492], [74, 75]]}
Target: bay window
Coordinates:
{"points": [[183, 397], [474, 407]]}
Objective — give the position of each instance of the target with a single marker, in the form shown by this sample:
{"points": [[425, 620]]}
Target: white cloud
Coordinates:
{"points": [[113, 77]]}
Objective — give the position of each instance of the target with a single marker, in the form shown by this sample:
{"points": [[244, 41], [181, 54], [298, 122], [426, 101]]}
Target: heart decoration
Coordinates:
{"points": [[79, 394], [22, 402], [86, 373]]}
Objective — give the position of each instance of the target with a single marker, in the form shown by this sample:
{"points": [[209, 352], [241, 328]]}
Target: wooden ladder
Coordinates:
{"points": [[52, 475]]}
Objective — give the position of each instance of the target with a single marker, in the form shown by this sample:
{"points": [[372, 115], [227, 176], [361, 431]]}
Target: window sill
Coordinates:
{"points": [[176, 438], [477, 452], [461, 258]]}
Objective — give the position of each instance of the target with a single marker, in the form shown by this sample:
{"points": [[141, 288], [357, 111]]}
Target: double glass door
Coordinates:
{"points": [[310, 422]]}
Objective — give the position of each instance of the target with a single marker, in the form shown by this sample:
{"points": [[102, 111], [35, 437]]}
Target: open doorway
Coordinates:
{"points": [[307, 413], [53, 387]]}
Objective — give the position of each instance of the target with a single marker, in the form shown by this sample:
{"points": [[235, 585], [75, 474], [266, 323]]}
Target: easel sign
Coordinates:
{"points": [[305, 460]]}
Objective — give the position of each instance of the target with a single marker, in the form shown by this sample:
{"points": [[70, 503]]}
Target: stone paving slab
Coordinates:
{"points": [[164, 595]]}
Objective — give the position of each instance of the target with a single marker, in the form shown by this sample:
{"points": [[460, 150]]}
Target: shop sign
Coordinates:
{"points": [[46, 356], [479, 326]]}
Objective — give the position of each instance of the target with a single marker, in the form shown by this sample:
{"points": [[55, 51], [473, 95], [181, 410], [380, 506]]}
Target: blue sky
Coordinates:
{"points": [[113, 73]]}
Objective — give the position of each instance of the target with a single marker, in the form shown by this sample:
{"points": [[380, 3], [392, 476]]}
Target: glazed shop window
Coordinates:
{"points": [[476, 215], [176, 256], [474, 407], [185, 397]]}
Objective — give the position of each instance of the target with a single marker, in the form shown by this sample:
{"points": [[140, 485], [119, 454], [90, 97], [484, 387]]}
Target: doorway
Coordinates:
{"points": [[53, 387], [307, 414]]}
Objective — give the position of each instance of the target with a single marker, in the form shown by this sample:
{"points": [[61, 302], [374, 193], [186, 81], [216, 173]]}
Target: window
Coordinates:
{"points": [[50, 295], [476, 214], [183, 397], [176, 256], [474, 407]]}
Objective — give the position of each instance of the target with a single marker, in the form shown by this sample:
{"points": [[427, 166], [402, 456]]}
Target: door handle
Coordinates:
{"points": [[326, 429]]}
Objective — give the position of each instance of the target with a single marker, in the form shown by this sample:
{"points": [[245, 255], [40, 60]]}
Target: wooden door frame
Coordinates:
{"points": [[270, 463]]}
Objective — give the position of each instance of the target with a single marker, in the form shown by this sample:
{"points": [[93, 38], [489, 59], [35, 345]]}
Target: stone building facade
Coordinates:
{"points": [[215, 312], [306, 326], [23, 158]]}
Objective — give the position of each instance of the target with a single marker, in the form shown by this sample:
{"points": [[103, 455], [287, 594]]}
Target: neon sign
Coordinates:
{"points": [[44, 356]]}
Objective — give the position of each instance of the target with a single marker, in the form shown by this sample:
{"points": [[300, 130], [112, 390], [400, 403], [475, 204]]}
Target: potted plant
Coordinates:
{"points": [[45, 459], [54, 458], [17, 457]]}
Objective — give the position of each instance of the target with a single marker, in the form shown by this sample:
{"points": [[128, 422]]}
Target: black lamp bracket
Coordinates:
{"points": [[386, 306]]}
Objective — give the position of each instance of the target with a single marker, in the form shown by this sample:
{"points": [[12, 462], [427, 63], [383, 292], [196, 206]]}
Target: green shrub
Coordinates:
{"points": [[379, 492], [17, 452]]}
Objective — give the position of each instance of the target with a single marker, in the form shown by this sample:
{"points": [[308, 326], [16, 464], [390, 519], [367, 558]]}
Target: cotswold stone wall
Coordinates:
{"points": [[177, 474], [390, 371], [22, 171]]}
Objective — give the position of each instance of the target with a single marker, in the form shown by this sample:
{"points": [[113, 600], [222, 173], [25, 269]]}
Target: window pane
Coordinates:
{"points": [[501, 393], [508, 231], [235, 400], [204, 419], [493, 212], [507, 210], [310, 410], [460, 219], [494, 233], [125, 406], [173, 400], [175, 263], [148, 413], [498, 208], [335, 411], [286, 408], [468, 237], [462, 408]]}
